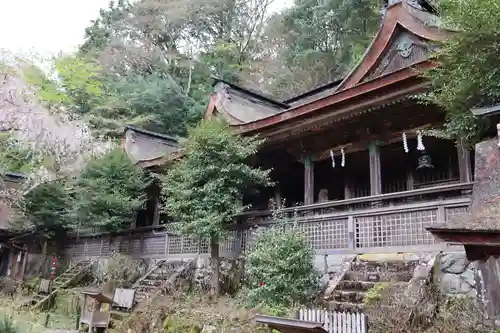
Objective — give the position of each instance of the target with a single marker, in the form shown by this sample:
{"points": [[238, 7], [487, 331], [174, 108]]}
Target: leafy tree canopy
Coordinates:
{"points": [[467, 76], [108, 192], [280, 267], [203, 190]]}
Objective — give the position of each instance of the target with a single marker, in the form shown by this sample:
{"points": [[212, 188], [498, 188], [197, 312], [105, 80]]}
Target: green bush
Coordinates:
{"points": [[280, 268], [7, 325]]}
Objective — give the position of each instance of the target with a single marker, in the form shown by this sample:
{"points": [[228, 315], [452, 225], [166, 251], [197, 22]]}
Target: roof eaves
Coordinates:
{"points": [[313, 91], [252, 93], [154, 134], [486, 111], [15, 175]]}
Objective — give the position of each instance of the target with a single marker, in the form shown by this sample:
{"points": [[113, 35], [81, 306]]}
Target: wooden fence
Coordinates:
{"points": [[394, 222], [336, 322]]}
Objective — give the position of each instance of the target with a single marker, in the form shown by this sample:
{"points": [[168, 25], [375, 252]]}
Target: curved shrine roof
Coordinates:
{"points": [[400, 49]]}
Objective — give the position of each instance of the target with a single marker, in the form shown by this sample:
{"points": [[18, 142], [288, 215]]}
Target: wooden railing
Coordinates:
{"points": [[389, 199], [388, 222]]}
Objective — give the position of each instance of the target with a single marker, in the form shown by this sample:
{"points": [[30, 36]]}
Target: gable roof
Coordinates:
{"points": [[146, 147], [402, 16], [399, 51], [241, 106]]}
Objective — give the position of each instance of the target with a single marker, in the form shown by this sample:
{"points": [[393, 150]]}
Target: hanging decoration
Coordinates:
{"points": [[405, 143], [420, 143], [342, 163], [424, 160], [333, 158]]}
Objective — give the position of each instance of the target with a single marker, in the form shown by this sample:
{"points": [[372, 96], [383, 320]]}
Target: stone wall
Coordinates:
{"points": [[456, 275]]}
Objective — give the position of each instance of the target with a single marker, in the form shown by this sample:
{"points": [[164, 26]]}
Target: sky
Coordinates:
{"points": [[47, 27]]}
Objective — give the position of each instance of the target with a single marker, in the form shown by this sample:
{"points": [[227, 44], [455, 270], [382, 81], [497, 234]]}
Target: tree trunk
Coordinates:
{"points": [[215, 266]]}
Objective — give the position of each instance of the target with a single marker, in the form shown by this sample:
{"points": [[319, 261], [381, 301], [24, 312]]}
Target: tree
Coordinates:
{"points": [[203, 191], [466, 76], [280, 266], [45, 209], [314, 43], [108, 192], [280, 269]]}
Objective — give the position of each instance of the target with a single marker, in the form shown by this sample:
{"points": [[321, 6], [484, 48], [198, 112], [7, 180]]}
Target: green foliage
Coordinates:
{"points": [[73, 82], [7, 325], [108, 192], [175, 325], [374, 294], [320, 41], [280, 267], [467, 76], [45, 208], [15, 156], [152, 101], [203, 189], [104, 197]]}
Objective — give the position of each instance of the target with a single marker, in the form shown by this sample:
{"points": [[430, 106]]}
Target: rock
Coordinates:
{"points": [[456, 284], [209, 329], [454, 263]]}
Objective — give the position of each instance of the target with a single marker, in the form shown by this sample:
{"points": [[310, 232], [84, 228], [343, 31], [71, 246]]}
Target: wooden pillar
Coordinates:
{"points": [[308, 181], [464, 164], [25, 262], [410, 181], [156, 214], [375, 170], [277, 195], [348, 190]]}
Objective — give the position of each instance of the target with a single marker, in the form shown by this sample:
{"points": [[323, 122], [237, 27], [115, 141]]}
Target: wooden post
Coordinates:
{"points": [[464, 164], [308, 181], [348, 192], [25, 262], [351, 239], [277, 195], [375, 170], [156, 214], [410, 181]]}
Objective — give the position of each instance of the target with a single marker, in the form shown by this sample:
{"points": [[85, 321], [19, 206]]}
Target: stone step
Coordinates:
{"points": [[158, 276], [355, 285], [350, 296], [119, 315], [153, 283], [386, 266], [345, 306], [379, 276]]}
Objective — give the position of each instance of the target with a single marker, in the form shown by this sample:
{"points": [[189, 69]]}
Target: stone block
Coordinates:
{"points": [[453, 263]]}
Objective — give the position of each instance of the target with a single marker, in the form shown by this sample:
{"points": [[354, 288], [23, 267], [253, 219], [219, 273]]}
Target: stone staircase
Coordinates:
{"points": [[71, 276], [155, 279], [362, 276], [160, 277]]}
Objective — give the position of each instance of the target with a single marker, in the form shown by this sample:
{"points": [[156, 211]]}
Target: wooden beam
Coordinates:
{"points": [[308, 181], [156, 214], [362, 145], [464, 163], [375, 169]]}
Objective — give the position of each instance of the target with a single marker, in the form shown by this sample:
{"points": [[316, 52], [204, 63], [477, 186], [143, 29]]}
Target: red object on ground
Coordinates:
{"points": [[262, 284], [53, 268]]}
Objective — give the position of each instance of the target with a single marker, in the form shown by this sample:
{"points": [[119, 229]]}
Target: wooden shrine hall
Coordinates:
{"points": [[354, 158], [353, 161]]}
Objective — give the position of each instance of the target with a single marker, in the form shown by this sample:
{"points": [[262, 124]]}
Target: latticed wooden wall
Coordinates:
{"points": [[353, 231]]}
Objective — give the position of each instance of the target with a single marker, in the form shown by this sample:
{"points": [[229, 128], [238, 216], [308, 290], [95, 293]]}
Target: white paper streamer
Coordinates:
{"points": [[342, 164], [420, 143], [333, 158], [405, 143]]}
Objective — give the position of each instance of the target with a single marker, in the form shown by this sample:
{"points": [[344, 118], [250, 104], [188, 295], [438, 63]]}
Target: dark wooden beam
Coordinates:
{"points": [[464, 163], [385, 139], [308, 181], [375, 169]]}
